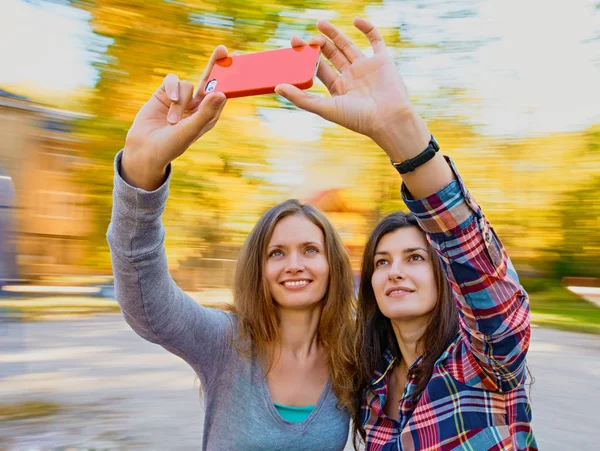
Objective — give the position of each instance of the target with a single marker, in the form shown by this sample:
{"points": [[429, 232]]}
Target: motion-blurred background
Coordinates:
{"points": [[509, 88]]}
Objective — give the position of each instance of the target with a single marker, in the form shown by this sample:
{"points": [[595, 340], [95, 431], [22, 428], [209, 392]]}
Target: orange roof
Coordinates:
{"points": [[334, 200]]}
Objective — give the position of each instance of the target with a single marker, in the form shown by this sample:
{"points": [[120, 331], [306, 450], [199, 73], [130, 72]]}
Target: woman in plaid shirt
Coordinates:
{"points": [[443, 321], [434, 376]]}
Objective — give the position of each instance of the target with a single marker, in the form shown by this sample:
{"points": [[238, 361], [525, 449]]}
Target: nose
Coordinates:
{"points": [[294, 263], [396, 271]]}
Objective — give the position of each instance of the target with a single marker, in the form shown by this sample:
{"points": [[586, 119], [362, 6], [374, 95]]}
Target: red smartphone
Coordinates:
{"points": [[259, 73]]}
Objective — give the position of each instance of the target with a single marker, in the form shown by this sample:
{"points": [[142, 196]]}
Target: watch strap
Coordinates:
{"points": [[413, 163]]}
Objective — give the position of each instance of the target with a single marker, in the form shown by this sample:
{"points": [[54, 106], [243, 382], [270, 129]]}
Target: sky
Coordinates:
{"points": [[44, 46], [533, 65]]}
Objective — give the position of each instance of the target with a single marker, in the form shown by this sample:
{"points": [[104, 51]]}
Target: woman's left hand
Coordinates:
{"points": [[368, 94]]}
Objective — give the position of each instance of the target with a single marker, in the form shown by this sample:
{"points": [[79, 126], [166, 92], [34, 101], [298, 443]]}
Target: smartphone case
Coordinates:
{"points": [[259, 73]]}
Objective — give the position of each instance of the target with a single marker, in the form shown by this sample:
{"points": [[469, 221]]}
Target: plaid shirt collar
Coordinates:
{"points": [[388, 361], [384, 367], [380, 381]]}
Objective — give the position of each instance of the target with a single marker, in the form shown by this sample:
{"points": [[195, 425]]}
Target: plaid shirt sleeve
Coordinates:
{"points": [[493, 306]]}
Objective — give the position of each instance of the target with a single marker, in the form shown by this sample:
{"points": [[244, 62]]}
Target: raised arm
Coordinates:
{"points": [[369, 96], [151, 302], [493, 306]]}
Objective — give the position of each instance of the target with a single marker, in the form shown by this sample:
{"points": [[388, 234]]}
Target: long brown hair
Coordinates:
{"points": [[256, 311], [375, 334]]}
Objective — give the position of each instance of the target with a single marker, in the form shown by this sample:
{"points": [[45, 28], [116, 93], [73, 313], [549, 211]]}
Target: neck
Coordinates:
{"points": [[298, 332], [408, 333]]}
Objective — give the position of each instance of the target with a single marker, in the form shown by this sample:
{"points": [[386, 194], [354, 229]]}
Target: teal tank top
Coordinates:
{"points": [[294, 414]]}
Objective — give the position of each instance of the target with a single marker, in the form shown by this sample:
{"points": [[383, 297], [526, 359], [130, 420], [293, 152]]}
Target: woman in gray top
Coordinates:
{"points": [[276, 371]]}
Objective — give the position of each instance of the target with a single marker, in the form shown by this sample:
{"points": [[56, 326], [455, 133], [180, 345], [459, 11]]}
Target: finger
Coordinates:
{"points": [[372, 34], [331, 52], [342, 42], [218, 53], [204, 119], [324, 107], [324, 72], [327, 75], [297, 41], [186, 92], [317, 39], [169, 89]]}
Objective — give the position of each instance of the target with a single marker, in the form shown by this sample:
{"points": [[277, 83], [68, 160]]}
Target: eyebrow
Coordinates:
{"points": [[405, 251], [307, 243]]}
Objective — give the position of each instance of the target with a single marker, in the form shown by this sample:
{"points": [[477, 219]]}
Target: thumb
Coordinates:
{"points": [[323, 106], [205, 117]]}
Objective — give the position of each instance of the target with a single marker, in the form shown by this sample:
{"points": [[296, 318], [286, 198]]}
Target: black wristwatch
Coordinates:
{"points": [[419, 160]]}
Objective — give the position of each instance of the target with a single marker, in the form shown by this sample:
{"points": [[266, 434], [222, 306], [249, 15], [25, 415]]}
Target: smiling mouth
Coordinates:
{"points": [[296, 284], [398, 291]]}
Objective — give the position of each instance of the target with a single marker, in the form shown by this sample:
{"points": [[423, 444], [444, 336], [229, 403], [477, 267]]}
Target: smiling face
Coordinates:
{"points": [[296, 268], [403, 278]]}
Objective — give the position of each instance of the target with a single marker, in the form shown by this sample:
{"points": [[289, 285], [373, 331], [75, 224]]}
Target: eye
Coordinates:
{"points": [[312, 250], [415, 258], [380, 262], [276, 253]]}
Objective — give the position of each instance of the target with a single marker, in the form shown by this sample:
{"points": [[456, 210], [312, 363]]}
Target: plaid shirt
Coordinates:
{"points": [[476, 398]]}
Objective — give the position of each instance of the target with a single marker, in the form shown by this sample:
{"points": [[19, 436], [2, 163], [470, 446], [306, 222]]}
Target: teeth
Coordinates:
{"points": [[296, 283], [399, 291]]}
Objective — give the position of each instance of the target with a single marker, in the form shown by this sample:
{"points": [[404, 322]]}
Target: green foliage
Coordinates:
{"points": [[558, 308], [579, 253]]}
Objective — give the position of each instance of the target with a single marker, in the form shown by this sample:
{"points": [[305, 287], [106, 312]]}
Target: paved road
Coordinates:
{"points": [[122, 392]]}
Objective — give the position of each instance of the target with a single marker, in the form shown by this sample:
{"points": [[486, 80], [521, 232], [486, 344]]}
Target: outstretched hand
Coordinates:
{"points": [[368, 95], [168, 124]]}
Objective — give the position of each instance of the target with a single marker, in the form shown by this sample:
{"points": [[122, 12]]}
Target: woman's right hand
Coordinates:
{"points": [[167, 125]]}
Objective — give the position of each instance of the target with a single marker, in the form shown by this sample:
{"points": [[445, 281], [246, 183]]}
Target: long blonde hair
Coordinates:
{"points": [[256, 311]]}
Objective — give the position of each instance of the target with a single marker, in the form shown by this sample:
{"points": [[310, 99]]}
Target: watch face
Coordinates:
{"points": [[435, 144]]}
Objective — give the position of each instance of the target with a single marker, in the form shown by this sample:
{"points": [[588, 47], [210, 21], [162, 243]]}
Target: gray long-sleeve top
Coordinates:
{"points": [[239, 412]]}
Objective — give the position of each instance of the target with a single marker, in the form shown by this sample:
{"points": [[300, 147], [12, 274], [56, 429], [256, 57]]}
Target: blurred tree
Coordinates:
{"points": [[543, 209], [578, 254], [148, 40]]}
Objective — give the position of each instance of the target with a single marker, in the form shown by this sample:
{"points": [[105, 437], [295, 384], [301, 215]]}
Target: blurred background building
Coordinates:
{"points": [[45, 219]]}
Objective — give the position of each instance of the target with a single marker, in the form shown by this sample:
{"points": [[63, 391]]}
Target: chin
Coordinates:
{"points": [[298, 306], [299, 303], [403, 313]]}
